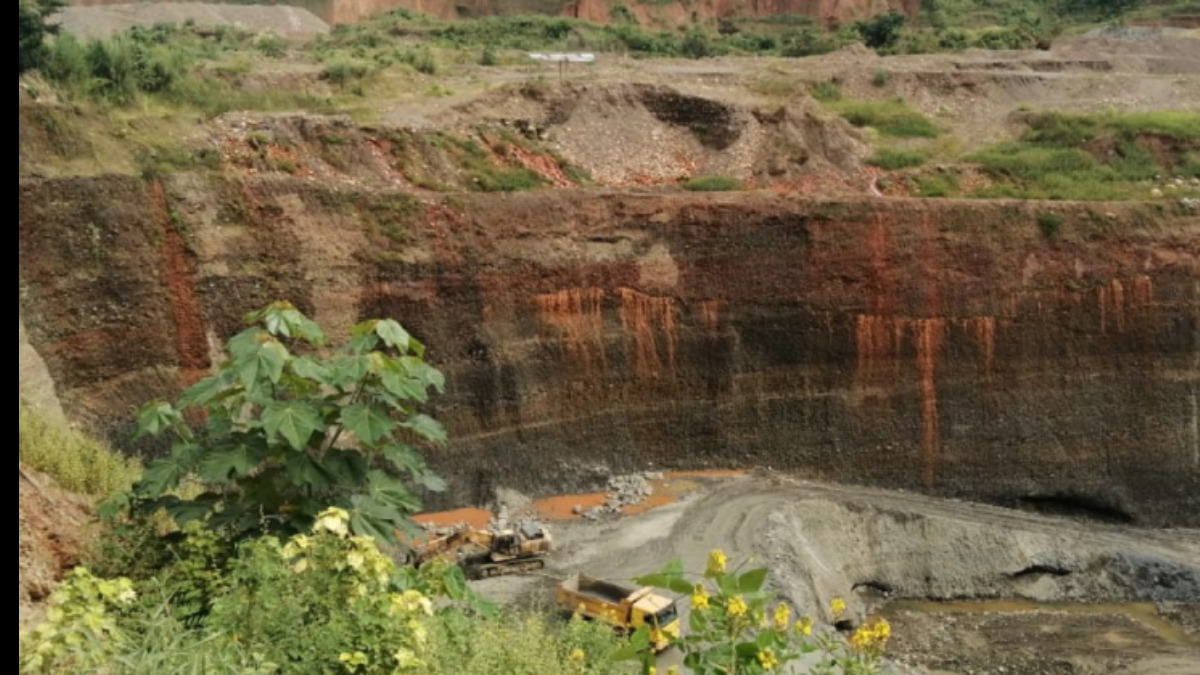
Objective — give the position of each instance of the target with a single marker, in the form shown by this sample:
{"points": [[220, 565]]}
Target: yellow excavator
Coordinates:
{"points": [[484, 554]]}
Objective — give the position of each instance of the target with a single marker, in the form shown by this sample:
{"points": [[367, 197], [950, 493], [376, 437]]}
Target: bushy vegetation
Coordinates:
{"points": [[897, 158], [75, 461], [892, 117], [1091, 157], [275, 448], [32, 31], [178, 65], [712, 184]]}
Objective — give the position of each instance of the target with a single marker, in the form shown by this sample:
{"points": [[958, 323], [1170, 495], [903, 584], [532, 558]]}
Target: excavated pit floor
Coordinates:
{"points": [[971, 589]]}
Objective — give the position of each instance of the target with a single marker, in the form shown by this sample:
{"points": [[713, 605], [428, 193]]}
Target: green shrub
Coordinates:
{"points": [[1191, 165], [507, 180], [524, 644], [891, 118], [896, 158], [278, 414], [712, 184], [488, 58], [75, 461], [342, 71], [1024, 162], [81, 632], [32, 30], [880, 79], [827, 92], [937, 185], [883, 31], [271, 46], [1050, 224]]}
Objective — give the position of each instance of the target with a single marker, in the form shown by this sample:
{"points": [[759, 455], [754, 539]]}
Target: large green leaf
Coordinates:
{"points": [[155, 418], [404, 458], [265, 362], [428, 428], [346, 467], [431, 481], [295, 421], [350, 370], [311, 369], [284, 319], [370, 423], [753, 581], [246, 343], [425, 373], [404, 388], [393, 335], [230, 463], [163, 475], [303, 470], [392, 492], [206, 391]]}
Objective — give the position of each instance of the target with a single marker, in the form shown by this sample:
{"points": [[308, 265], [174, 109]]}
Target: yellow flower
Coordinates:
{"points": [[700, 598], [673, 671], [767, 659], [652, 671], [407, 659], [838, 607], [578, 656], [873, 637], [805, 626], [737, 607], [335, 521], [356, 561], [355, 661], [783, 617], [717, 563]]}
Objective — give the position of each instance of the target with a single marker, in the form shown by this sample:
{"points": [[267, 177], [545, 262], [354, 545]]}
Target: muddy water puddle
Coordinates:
{"points": [[1144, 614]]}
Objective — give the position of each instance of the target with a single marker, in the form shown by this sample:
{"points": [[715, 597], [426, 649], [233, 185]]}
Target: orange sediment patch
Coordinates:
{"points": [[476, 518], [563, 507]]}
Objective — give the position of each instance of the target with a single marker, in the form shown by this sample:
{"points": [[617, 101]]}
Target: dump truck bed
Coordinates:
{"points": [[597, 589]]}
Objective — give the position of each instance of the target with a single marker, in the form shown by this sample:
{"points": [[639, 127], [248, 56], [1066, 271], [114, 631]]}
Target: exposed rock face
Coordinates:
{"points": [[34, 384], [939, 346]]}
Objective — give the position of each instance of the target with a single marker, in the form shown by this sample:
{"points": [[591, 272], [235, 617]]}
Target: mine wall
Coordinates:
{"points": [[954, 348]]}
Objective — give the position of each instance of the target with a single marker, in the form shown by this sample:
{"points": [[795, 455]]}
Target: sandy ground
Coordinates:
{"points": [[822, 541]]}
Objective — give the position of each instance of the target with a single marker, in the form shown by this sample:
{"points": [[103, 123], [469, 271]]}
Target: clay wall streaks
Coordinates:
{"points": [[180, 275], [644, 318], [578, 314]]}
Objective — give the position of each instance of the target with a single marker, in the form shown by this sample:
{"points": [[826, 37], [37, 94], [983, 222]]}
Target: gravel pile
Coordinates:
{"points": [[622, 491]]}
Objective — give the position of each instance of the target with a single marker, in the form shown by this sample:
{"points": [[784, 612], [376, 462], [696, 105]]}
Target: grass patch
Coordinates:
{"points": [[897, 158], [1050, 224], [1071, 130], [1191, 165], [77, 462], [713, 184], [892, 118], [1092, 157], [940, 185], [826, 92]]}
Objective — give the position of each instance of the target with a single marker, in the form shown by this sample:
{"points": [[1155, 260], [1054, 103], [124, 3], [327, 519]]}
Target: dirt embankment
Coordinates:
{"points": [[942, 346], [50, 536], [657, 13]]}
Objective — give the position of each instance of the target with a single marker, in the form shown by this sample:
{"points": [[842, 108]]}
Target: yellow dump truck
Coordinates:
{"points": [[625, 608]]}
